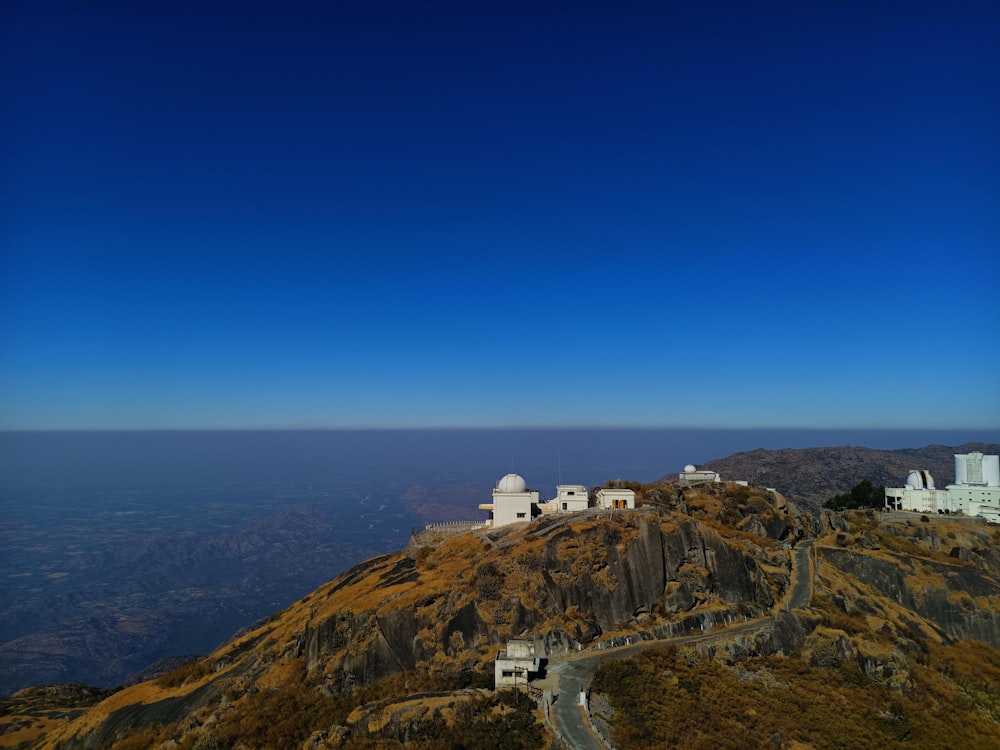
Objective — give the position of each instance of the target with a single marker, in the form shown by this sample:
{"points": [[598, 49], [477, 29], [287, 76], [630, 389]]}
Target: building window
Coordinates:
{"points": [[565, 506], [521, 515]]}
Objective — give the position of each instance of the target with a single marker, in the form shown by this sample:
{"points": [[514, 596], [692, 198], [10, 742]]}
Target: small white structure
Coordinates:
{"points": [[512, 502], [569, 498], [976, 491], [692, 476], [610, 499], [977, 485], [515, 665]]}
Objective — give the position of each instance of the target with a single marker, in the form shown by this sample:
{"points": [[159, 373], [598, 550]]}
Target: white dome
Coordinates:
{"points": [[920, 479], [690, 469], [512, 483]]}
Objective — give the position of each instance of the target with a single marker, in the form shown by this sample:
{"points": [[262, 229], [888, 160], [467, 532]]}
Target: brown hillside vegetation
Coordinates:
{"points": [[902, 653], [671, 698]]}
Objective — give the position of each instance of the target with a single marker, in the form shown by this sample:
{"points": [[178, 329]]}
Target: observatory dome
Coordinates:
{"points": [[690, 469], [920, 479], [512, 483]]}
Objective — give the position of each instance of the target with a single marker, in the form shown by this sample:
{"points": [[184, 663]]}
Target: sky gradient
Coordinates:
{"points": [[228, 215]]}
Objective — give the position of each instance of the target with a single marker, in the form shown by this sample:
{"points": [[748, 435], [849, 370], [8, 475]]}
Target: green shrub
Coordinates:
{"points": [[864, 494]]}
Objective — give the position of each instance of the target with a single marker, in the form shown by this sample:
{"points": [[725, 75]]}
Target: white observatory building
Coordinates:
{"points": [[918, 494], [692, 476], [512, 502], [976, 491]]}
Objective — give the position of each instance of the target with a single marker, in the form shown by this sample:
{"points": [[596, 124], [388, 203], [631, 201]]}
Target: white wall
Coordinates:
{"points": [[571, 497], [977, 469], [920, 500], [512, 507]]}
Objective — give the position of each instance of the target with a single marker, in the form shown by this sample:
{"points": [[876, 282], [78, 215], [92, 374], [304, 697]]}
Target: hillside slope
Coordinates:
{"points": [[899, 624]]}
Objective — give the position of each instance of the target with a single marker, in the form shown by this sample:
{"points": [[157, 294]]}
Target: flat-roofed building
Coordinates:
{"points": [[571, 497], [516, 664], [614, 499]]}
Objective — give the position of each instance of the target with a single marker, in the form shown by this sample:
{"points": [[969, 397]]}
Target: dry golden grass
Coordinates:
{"points": [[859, 598], [666, 698], [28, 735]]}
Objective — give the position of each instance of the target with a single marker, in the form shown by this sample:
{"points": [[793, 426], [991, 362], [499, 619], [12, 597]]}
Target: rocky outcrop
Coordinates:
{"points": [[961, 601], [565, 583]]}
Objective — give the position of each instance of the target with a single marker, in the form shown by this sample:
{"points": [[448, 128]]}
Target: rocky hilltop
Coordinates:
{"points": [[399, 650], [810, 476]]}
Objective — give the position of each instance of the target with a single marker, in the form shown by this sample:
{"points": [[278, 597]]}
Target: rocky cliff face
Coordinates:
{"points": [[565, 583], [961, 602]]}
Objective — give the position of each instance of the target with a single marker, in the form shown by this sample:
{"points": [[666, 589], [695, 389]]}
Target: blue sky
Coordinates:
{"points": [[448, 214]]}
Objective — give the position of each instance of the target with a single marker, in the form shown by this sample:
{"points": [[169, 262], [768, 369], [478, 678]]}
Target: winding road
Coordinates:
{"points": [[567, 676]]}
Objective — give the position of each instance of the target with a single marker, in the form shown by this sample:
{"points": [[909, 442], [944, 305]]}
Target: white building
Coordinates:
{"points": [[692, 476], [919, 494], [512, 502], [976, 491], [610, 499], [515, 665], [569, 498], [977, 485]]}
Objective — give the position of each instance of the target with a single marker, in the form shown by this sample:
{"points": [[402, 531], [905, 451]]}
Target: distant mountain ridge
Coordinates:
{"points": [[810, 476]]}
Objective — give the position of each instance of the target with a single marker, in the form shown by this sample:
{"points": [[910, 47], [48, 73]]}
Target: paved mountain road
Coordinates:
{"points": [[567, 676]]}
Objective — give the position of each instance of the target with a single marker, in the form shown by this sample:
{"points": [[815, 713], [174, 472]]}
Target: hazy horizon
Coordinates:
{"points": [[847, 429]]}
